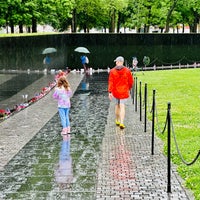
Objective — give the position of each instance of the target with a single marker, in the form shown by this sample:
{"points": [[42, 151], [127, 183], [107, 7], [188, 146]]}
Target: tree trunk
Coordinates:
{"points": [[85, 28], [112, 25], [34, 25], [12, 27], [146, 28], [28, 29], [118, 22], [21, 28], [74, 23], [169, 16], [193, 26]]}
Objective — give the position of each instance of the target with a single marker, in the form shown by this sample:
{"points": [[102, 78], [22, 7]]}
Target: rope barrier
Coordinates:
{"points": [[192, 61], [158, 126], [148, 106], [153, 61], [178, 61], [184, 58], [178, 150], [145, 104]]}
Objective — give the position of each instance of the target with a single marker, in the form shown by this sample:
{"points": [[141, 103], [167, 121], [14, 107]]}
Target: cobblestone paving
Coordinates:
{"points": [[127, 170]]}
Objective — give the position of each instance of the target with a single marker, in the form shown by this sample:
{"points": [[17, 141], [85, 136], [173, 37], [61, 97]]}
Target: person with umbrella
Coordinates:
{"points": [[84, 61], [47, 51], [47, 60]]}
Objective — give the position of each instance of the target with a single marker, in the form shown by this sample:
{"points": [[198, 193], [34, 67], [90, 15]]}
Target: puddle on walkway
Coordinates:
{"points": [[52, 167]]}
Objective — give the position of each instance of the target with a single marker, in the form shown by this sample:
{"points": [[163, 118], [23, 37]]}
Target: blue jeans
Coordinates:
{"points": [[64, 117]]}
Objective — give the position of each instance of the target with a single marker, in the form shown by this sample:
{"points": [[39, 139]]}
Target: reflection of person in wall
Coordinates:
{"points": [[84, 61], [47, 60], [64, 172], [134, 63]]}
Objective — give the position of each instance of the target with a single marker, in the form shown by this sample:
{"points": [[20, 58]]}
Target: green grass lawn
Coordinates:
{"points": [[182, 88]]}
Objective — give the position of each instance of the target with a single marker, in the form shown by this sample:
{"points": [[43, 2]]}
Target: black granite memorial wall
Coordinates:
{"points": [[25, 52]]}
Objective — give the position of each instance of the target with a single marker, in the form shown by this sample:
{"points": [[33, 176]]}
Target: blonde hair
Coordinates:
{"points": [[62, 81]]}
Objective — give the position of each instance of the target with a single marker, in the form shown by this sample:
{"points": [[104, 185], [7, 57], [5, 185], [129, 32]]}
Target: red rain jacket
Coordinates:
{"points": [[120, 82]]}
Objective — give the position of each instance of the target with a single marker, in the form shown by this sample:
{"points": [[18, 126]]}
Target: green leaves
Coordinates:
{"points": [[101, 14]]}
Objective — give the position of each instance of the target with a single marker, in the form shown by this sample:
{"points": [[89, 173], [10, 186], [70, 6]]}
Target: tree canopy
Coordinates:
{"points": [[112, 15]]}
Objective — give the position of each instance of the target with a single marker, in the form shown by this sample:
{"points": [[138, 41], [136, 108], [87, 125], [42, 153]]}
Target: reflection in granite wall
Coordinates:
{"points": [[26, 52]]}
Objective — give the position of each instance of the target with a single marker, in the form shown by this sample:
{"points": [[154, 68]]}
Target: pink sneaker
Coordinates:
{"points": [[68, 130], [64, 131]]}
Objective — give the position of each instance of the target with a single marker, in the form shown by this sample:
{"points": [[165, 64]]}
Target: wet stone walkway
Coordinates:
{"points": [[97, 161]]}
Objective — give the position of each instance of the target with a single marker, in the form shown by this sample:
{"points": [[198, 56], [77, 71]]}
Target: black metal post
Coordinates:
{"points": [[145, 108], [140, 101], [136, 94], [169, 149], [133, 91], [153, 123]]}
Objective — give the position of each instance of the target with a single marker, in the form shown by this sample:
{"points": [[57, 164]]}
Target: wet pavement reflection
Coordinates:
{"points": [[50, 166], [64, 171]]}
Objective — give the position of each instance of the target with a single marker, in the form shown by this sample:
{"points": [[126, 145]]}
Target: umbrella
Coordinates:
{"points": [[49, 50], [82, 50]]}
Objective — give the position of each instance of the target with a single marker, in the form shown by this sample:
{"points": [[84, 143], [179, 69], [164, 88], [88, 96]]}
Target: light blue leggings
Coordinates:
{"points": [[64, 117]]}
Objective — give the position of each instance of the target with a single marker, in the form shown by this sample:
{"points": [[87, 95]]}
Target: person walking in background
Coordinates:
{"points": [[120, 82], [62, 94], [84, 61], [47, 60], [134, 64]]}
